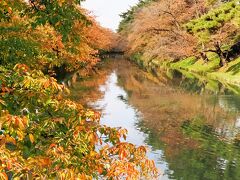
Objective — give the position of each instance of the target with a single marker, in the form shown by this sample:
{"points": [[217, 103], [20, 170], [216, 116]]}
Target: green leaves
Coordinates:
{"points": [[215, 18], [59, 14]]}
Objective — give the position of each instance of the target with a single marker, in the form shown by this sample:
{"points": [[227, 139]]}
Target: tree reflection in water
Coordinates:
{"points": [[193, 120]]}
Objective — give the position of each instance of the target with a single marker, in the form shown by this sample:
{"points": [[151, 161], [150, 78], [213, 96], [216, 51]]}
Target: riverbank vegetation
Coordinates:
{"points": [[199, 36], [42, 134]]}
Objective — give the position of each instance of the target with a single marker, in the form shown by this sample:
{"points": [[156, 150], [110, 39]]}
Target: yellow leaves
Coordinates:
{"points": [[2, 102], [93, 138], [149, 163], [60, 2], [35, 80], [92, 117], [78, 130], [52, 84], [89, 113], [123, 168], [2, 140], [9, 9], [9, 139], [3, 2], [93, 153], [31, 137], [84, 177], [123, 133], [27, 82], [21, 135], [131, 158], [22, 68]]}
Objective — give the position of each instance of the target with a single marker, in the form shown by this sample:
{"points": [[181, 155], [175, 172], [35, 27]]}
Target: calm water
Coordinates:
{"points": [[191, 125]]}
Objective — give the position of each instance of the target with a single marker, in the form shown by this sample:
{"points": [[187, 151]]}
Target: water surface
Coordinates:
{"points": [[190, 124]]}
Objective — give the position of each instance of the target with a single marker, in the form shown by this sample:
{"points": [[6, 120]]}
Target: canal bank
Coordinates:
{"points": [[228, 74]]}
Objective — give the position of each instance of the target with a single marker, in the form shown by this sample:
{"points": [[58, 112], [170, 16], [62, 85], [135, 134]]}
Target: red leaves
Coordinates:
{"points": [[52, 145]]}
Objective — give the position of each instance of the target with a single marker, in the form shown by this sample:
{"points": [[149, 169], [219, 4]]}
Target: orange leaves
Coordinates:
{"points": [[58, 153], [5, 90], [60, 2], [57, 149], [52, 84], [15, 121], [92, 116], [123, 133], [43, 161], [7, 140], [93, 138], [156, 31], [20, 122], [123, 169], [78, 130], [3, 176], [130, 159], [10, 140], [21, 68], [123, 154], [31, 137], [99, 37]]}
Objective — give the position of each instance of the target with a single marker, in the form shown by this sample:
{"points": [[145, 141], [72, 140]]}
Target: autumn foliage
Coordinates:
{"points": [[173, 30], [43, 135], [43, 37], [157, 33]]}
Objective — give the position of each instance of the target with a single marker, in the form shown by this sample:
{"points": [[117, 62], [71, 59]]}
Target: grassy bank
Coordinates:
{"points": [[229, 75]]}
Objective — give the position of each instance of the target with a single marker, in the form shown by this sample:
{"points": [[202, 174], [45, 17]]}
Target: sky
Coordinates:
{"points": [[107, 11]]}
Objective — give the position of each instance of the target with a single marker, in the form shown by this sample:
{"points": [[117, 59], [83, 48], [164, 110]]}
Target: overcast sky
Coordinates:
{"points": [[107, 11]]}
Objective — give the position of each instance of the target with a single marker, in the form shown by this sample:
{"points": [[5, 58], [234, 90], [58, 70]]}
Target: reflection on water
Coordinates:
{"points": [[190, 124]]}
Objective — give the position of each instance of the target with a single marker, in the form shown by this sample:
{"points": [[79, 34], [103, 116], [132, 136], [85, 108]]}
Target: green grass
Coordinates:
{"points": [[202, 67], [199, 66], [229, 74], [183, 64]]}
